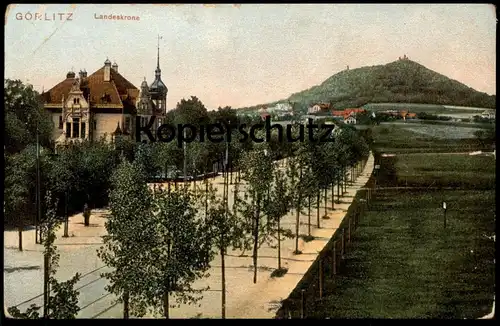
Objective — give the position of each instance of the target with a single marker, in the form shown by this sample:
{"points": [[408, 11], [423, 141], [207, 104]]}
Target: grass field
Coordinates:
{"points": [[443, 170], [428, 108], [398, 138], [403, 263]]}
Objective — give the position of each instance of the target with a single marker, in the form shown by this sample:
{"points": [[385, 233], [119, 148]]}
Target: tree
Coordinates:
{"points": [[295, 170], [63, 304], [144, 158], [20, 188], [131, 232], [257, 172], [310, 190], [191, 111], [277, 206], [24, 117], [181, 252], [197, 154], [166, 155], [16, 194], [225, 230]]}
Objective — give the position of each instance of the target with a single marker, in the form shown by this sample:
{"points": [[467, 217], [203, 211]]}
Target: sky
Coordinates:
{"points": [[243, 55]]}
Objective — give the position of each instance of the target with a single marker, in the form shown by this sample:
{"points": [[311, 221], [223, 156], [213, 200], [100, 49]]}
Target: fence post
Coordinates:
{"points": [[334, 256], [302, 303], [320, 278]]}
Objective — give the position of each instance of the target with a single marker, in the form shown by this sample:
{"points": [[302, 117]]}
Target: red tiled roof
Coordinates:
{"points": [[345, 113], [118, 89]]}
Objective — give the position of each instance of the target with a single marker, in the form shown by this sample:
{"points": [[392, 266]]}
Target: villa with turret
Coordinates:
{"points": [[103, 105]]}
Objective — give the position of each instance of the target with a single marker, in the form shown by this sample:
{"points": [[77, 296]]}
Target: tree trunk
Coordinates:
{"points": [[256, 239], [338, 188], [166, 292], [344, 169], [166, 304], [223, 280], [66, 217], [231, 175], [20, 233], [326, 200], [279, 244], [297, 221], [318, 200], [235, 195], [333, 196], [125, 305], [309, 215], [267, 215], [206, 197]]}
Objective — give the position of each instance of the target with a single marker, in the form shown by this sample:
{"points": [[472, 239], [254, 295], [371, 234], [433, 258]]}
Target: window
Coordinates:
{"points": [[95, 124], [68, 129], [83, 130], [76, 128], [76, 101], [60, 122]]}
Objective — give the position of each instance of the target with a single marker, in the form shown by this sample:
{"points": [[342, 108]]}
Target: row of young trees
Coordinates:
{"points": [[150, 233], [160, 241]]}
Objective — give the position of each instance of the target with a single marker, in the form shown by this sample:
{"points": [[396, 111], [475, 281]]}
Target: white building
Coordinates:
{"points": [[350, 120], [488, 114], [316, 108], [281, 109]]}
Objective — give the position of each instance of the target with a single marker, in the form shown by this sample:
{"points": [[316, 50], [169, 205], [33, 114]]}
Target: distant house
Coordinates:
{"points": [[348, 115], [281, 109], [318, 108], [488, 114], [411, 115], [349, 112], [351, 120], [285, 108], [263, 113], [403, 114]]}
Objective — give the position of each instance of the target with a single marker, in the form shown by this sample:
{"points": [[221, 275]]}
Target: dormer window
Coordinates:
{"points": [[76, 101], [106, 98]]}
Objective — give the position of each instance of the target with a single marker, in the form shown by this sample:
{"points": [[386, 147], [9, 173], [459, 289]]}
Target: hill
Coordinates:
{"points": [[401, 81]]}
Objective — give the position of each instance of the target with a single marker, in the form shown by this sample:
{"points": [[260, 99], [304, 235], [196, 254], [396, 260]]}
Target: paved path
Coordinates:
{"points": [[23, 273]]}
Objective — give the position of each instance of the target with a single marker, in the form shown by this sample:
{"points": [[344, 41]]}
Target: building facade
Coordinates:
{"points": [[103, 105], [318, 108]]}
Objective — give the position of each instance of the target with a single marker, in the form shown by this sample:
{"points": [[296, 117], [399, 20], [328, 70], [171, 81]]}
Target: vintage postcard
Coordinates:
{"points": [[273, 161]]}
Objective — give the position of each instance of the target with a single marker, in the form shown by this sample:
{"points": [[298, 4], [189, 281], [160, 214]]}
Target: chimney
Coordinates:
{"points": [[115, 67], [107, 70]]}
